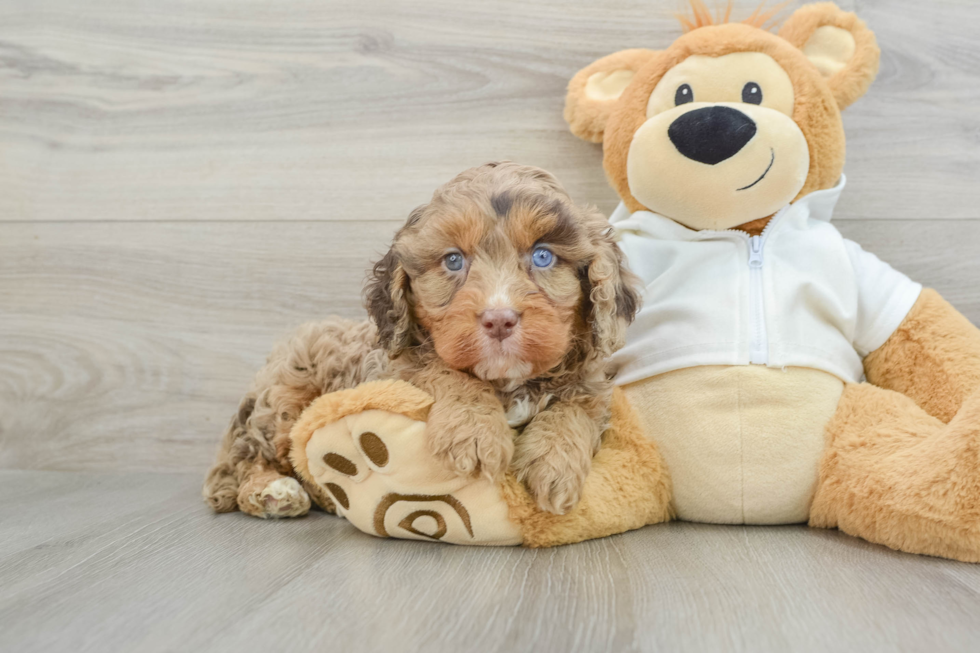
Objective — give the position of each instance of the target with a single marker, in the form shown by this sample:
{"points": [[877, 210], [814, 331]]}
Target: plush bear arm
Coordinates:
{"points": [[933, 357]]}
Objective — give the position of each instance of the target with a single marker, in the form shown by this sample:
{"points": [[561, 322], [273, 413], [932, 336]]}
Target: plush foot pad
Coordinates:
{"points": [[377, 468], [282, 497]]}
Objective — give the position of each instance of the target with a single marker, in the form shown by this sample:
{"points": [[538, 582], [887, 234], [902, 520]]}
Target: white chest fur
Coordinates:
{"points": [[521, 408]]}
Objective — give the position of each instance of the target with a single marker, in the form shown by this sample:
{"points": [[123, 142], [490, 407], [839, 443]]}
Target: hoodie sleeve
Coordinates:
{"points": [[885, 296]]}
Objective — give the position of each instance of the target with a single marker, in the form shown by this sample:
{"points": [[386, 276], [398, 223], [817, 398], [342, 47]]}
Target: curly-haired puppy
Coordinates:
{"points": [[502, 299]]}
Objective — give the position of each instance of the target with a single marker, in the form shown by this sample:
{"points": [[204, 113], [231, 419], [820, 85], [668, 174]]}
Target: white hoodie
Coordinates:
{"points": [[799, 295]]}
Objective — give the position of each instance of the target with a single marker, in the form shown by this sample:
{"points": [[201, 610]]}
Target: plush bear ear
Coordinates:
{"points": [[839, 44], [593, 91]]}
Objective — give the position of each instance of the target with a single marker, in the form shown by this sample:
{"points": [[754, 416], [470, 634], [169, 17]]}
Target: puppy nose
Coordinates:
{"points": [[712, 134], [499, 323]]}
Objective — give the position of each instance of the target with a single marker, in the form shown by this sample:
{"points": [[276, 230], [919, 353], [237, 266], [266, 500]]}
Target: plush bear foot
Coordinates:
{"points": [[897, 476], [366, 450], [380, 473], [272, 499]]}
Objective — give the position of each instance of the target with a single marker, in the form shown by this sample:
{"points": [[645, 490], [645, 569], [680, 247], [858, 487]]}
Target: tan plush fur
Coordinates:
{"points": [[701, 16], [895, 475], [933, 357], [546, 379], [585, 116], [629, 487], [854, 79]]}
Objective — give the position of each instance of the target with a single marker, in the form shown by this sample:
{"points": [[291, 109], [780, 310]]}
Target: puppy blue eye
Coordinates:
{"points": [[542, 257], [453, 261]]}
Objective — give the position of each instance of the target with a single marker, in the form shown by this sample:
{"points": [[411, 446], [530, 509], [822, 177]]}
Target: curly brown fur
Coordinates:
{"points": [[319, 357], [539, 370]]}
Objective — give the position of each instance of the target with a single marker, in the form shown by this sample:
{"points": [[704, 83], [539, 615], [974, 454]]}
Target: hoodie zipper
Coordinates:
{"points": [[759, 337], [759, 346]]}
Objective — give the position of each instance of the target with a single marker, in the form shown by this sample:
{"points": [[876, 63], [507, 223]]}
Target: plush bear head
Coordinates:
{"points": [[731, 122]]}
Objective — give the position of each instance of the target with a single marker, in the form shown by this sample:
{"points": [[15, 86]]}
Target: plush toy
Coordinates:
{"points": [[367, 448], [760, 321]]}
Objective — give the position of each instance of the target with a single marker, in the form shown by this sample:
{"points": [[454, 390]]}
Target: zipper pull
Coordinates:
{"points": [[755, 252]]}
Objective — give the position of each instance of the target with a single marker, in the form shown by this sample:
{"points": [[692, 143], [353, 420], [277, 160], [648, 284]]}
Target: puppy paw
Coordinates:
{"points": [[555, 488], [553, 461], [282, 497], [471, 443]]}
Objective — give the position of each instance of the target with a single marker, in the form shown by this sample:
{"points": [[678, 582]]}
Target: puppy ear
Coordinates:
{"points": [[839, 44], [612, 290], [594, 90], [386, 295]]}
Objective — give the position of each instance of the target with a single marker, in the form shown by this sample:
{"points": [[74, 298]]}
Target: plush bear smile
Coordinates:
{"points": [[771, 161]]}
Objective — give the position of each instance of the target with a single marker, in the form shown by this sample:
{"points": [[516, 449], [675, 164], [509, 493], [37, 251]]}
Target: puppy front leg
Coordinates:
{"points": [[467, 426], [554, 455]]}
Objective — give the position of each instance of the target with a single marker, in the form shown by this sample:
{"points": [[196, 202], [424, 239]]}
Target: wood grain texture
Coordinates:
{"points": [[128, 345], [323, 109], [119, 562]]}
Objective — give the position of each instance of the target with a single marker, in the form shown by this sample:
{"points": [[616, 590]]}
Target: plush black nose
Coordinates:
{"points": [[712, 134]]}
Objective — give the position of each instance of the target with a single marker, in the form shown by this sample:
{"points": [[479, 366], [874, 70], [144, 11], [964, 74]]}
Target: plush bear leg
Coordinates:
{"points": [[902, 466], [895, 475], [368, 449]]}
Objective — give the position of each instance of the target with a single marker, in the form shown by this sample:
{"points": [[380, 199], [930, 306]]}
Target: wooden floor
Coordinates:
{"points": [[182, 181], [124, 562]]}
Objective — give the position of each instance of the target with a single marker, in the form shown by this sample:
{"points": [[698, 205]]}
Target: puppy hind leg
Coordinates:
{"points": [[895, 475], [221, 488], [265, 487], [223, 479], [318, 357], [266, 493]]}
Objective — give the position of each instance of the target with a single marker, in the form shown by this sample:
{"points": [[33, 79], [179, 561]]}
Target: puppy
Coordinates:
{"points": [[502, 299]]}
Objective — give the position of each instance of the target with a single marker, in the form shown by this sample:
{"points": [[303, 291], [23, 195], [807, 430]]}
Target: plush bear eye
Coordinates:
{"points": [[751, 93], [453, 261], [683, 95], [542, 257]]}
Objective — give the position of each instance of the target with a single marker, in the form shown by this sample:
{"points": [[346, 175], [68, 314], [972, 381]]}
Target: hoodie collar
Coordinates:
{"points": [[818, 205]]}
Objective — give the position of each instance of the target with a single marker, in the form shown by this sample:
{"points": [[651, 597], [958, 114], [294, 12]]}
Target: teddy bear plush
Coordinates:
{"points": [[760, 321], [783, 374]]}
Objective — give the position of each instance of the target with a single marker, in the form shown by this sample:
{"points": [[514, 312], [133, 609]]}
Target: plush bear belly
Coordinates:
{"points": [[742, 443]]}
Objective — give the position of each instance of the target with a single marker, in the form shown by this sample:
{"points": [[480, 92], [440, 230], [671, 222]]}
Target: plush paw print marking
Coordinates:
{"points": [[377, 467], [411, 521], [374, 448]]}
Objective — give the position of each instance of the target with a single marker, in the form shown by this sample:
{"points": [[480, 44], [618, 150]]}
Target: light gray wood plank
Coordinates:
{"points": [[303, 109], [128, 345], [160, 573]]}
